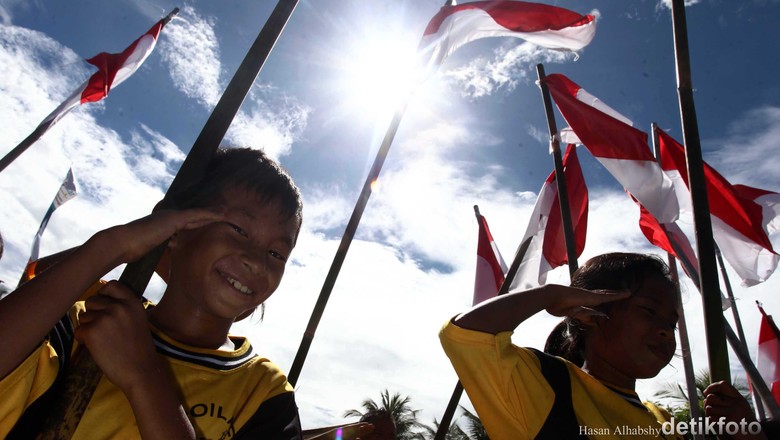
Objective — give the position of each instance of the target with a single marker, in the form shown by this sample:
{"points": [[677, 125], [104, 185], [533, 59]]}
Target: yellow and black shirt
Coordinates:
{"points": [[511, 390], [228, 394]]}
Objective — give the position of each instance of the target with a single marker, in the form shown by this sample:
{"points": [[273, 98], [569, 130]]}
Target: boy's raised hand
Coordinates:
{"points": [[138, 237], [576, 302]]}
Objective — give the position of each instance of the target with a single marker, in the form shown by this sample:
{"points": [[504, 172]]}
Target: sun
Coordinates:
{"points": [[380, 71]]}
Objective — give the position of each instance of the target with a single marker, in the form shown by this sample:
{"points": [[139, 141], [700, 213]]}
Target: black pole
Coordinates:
{"points": [[346, 240], [560, 182], [708, 271], [83, 375]]}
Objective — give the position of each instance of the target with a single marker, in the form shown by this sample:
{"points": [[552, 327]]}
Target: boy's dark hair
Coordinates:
{"points": [[249, 169], [611, 271]]}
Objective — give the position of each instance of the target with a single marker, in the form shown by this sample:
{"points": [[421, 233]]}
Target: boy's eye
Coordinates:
{"points": [[238, 229], [277, 255]]}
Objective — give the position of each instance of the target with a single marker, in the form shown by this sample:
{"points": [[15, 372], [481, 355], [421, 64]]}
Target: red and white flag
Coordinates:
{"points": [[671, 238], [113, 69], [546, 248], [621, 148], [490, 266], [544, 25], [768, 360], [739, 224]]}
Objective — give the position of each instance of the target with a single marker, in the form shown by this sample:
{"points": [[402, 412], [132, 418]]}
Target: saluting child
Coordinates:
{"points": [[171, 370], [620, 327]]}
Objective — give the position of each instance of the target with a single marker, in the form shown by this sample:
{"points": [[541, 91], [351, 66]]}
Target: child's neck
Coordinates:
{"points": [[190, 330], [609, 375]]}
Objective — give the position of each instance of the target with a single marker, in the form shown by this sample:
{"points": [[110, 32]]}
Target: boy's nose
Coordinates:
{"points": [[255, 262]]}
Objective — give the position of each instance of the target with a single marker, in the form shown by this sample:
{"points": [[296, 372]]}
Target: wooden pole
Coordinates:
{"points": [[563, 195], [82, 377], [708, 274]]}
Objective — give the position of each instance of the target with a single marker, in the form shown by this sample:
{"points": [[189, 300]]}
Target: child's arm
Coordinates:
{"points": [[30, 312], [506, 312]]}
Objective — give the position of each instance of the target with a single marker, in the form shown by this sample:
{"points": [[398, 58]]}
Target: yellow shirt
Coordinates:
{"points": [[512, 397]]}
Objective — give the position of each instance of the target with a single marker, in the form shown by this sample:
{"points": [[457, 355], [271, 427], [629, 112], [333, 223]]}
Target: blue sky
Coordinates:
{"points": [[473, 134]]}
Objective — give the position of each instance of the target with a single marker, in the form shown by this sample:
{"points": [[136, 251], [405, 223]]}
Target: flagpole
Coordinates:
{"points": [[44, 126], [563, 196], [737, 323], [457, 393], [708, 272], [742, 354], [346, 240], [685, 344], [83, 375]]}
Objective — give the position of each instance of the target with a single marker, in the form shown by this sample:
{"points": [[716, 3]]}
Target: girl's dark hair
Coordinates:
{"points": [[611, 271], [248, 169]]}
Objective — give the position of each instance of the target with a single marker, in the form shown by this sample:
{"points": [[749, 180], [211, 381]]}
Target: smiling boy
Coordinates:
{"points": [[170, 370]]}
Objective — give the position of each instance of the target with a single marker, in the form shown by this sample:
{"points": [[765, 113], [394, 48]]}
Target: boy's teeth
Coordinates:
{"points": [[239, 286]]}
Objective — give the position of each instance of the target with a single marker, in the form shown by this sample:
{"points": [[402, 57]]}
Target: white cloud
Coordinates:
{"points": [[510, 64], [110, 192], [190, 49], [668, 4]]}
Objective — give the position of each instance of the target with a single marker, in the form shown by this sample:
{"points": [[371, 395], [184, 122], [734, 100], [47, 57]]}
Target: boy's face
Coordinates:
{"points": [[230, 267], [638, 339]]}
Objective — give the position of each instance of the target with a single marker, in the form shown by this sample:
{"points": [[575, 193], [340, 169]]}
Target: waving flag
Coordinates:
{"points": [[113, 69], [546, 245], [739, 225], [768, 361], [621, 148], [547, 26], [66, 192], [490, 265]]}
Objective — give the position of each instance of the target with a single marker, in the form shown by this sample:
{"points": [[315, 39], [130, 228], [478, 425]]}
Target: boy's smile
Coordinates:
{"points": [[227, 268]]}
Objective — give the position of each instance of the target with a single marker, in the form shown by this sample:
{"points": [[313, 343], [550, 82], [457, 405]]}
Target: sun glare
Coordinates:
{"points": [[380, 71]]}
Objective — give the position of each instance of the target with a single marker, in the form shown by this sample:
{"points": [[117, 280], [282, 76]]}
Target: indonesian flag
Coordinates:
{"points": [[739, 223], [544, 25], [621, 148], [113, 69], [490, 266], [546, 247], [768, 362], [66, 192], [672, 239]]}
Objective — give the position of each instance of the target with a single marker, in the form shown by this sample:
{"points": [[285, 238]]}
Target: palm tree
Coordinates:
{"points": [[474, 429], [407, 426]]}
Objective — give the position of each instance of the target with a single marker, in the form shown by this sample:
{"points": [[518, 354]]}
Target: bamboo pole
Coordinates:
{"points": [[708, 274], [685, 344], [738, 323], [83, 375], [743, 355], [563, 195]]}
